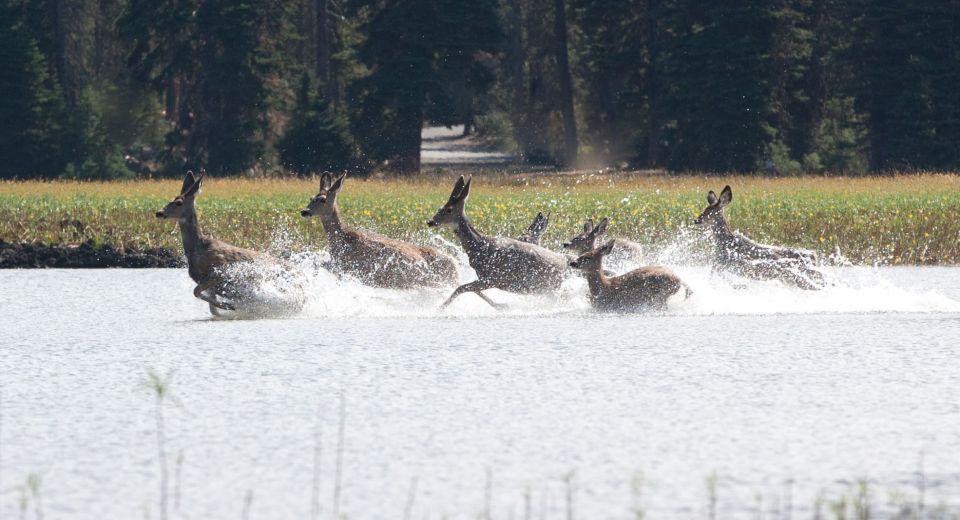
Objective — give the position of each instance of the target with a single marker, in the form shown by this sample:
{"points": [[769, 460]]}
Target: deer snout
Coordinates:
{"points": [[575, 264], [431, 223], [567, 245], [160, 214], [304, 212]]}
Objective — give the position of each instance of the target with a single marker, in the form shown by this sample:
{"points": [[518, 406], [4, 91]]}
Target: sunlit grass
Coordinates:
{"points": [[893, 220]]}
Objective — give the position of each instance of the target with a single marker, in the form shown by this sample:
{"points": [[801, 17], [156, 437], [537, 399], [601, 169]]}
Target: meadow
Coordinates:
{"points": [[904, 219]]}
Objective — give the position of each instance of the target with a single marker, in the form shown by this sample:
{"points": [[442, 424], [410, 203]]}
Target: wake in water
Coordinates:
{"points": [[325, 294]]}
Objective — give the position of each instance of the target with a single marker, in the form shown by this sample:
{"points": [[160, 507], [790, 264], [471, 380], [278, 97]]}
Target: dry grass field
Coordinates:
{"points": [[907, 219]]}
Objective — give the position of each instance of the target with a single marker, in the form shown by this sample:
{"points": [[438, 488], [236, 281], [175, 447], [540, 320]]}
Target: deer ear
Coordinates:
{"points": [[711, 198], [726, 196], [607, 248], [188, 181], [194, 189], [588, 225], [337, 184], [325, 180], [465, 192], [601, 227], [457, 187]]}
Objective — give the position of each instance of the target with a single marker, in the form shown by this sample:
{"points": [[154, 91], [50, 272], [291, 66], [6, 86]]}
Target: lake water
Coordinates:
{"points": [[779, 393]]}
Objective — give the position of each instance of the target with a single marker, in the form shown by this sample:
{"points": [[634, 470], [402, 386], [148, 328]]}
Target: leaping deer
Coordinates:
{"points": [[623, 249], [646, 288], [502, 263], [738, 254], [376, 260], [208, 259]]}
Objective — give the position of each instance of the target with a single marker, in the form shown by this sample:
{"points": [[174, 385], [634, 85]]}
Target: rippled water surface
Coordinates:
{"points": [[778, 393]]}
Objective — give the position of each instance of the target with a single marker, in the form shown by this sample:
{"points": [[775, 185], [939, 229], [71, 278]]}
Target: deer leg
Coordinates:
{"points": [[475, 287], [495, 305], [200, 292]]}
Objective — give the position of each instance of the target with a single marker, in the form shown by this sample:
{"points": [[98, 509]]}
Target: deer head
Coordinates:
{"points": [[182, 204], [324, 202], [713, 213], [587, 240], [451, 212], [592, 260]]}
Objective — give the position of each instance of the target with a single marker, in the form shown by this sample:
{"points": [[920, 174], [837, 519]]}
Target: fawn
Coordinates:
{"points": [[623, 249], [646, 288]]}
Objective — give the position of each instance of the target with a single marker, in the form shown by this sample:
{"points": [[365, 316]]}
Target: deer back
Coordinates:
{"points": [[646, 287], [516, 266]]}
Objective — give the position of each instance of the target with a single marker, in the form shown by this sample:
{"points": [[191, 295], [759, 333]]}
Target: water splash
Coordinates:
{"points": [[309, 289]]}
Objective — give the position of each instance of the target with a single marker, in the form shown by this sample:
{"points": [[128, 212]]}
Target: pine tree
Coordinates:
{"points": [[232, 93], [413, 48], [906, 55], [618, 68], [317, 139], [730, 67], [31, 103]]}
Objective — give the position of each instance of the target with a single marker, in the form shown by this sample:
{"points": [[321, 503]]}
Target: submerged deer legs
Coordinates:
{"points": [[475, 287], [200, 292]]}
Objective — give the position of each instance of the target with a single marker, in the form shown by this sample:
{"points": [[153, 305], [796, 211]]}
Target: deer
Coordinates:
{"points": [[373, 259], [503, 263], [535, 230], [738, 254], [645, 288], [209, 261], [623, 249]]}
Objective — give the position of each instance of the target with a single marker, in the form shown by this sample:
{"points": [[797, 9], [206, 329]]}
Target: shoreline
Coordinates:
{"points": [[83, 256], [87, 255]]}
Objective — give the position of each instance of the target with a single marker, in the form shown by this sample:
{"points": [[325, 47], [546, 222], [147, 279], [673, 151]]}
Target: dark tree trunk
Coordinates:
{"points": [[410, 125], [322, 32], [59, 38], [653, 113], [515, 58], [566, 85]]}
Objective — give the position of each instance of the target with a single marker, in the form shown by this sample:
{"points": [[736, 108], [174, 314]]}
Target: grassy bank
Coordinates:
{"points": [[889, 220]]}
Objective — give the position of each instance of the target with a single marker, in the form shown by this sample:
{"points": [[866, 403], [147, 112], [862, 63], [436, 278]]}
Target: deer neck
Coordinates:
{"points": [[596, 280], [191, 234], [721, 231], [469, 237], [333, 225]]}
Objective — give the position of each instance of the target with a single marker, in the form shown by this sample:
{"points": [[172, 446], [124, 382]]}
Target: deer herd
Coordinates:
{"points": [[516, 265]]}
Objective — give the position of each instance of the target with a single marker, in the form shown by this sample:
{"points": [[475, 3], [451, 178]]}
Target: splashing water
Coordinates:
{"points": [[312, 291]]}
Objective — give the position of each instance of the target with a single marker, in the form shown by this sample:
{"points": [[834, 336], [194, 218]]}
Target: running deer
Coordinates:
{"points": [[646, 288], [738, 254], [209, 260], [502, 263], [373, 259], [623, 249], [535, 230]]}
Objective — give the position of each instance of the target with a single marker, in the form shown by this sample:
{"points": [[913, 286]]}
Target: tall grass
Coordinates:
{"points": [[159, 386], [890, 220]]}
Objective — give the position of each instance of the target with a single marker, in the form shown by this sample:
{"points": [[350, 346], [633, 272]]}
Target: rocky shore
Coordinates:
{"points": [[85, 255]]}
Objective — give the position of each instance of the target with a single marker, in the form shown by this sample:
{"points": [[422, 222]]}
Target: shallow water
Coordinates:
{"points": [[780, 393]]}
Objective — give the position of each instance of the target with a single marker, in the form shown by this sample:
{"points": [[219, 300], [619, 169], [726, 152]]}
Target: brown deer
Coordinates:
{"points": [[738, 254], [209, 260], [535, 230], [646, 288], [502, 263], [623, 249], [373, 259]]}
